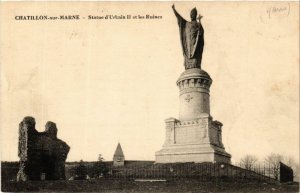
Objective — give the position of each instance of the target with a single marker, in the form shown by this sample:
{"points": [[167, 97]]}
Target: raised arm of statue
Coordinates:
{"points": [[179, 17]]}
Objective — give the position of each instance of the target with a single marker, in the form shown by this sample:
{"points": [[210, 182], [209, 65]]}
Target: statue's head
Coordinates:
{"points": [[193, 14], [51, 129]]}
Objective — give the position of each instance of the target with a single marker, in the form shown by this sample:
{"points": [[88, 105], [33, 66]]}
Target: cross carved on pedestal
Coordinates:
{"points": [[188, 98]]}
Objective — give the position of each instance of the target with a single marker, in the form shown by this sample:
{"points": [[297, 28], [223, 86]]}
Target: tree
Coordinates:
{"points": [[296, 169], [272, 162], [100, 158], [248, 162], [81, 171], [100, 169]]}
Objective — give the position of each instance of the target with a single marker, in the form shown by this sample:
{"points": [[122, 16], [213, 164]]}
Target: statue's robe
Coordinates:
{"points": [[192, 42]]}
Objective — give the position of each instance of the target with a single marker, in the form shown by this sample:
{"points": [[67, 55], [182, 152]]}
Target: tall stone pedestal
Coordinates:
{"points": [[194, 137]]}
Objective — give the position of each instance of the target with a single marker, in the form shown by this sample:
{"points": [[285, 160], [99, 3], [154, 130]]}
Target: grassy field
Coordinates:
{"points": [[122, 185]]}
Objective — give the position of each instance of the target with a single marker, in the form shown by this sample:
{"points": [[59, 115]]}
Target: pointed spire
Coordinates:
{"points": [[119, 151]]}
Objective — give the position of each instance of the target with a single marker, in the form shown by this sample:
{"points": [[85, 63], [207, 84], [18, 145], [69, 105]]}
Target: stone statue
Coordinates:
{"points": [[192, 39]]}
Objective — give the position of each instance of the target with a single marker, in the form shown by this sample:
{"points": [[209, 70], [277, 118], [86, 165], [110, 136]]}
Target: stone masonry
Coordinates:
{"points": [[119, 158], [195, 136], [42, 155]]}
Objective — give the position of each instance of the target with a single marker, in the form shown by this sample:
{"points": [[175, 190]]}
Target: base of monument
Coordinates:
{"points": [[192, 153]]}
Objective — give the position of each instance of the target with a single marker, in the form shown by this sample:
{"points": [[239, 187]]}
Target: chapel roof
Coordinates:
{"points": [[119, 151]]}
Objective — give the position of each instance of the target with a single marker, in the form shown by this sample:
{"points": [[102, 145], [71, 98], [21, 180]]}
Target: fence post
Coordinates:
{"points": [[259, 172], [231, 171], [269, 171]]}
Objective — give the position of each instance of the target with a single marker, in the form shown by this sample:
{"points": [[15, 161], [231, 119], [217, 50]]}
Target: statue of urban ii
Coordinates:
{"points": [[192, 39]]}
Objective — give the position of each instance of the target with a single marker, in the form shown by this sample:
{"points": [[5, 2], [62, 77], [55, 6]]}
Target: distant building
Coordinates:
{"points": [[119, 158]]}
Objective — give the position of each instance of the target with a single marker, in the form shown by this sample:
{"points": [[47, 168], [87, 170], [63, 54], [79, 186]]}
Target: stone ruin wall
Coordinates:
{"points": [[42, 155]]}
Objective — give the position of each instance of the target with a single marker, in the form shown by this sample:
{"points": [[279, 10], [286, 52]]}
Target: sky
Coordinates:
{"points": [[109, 81]]}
